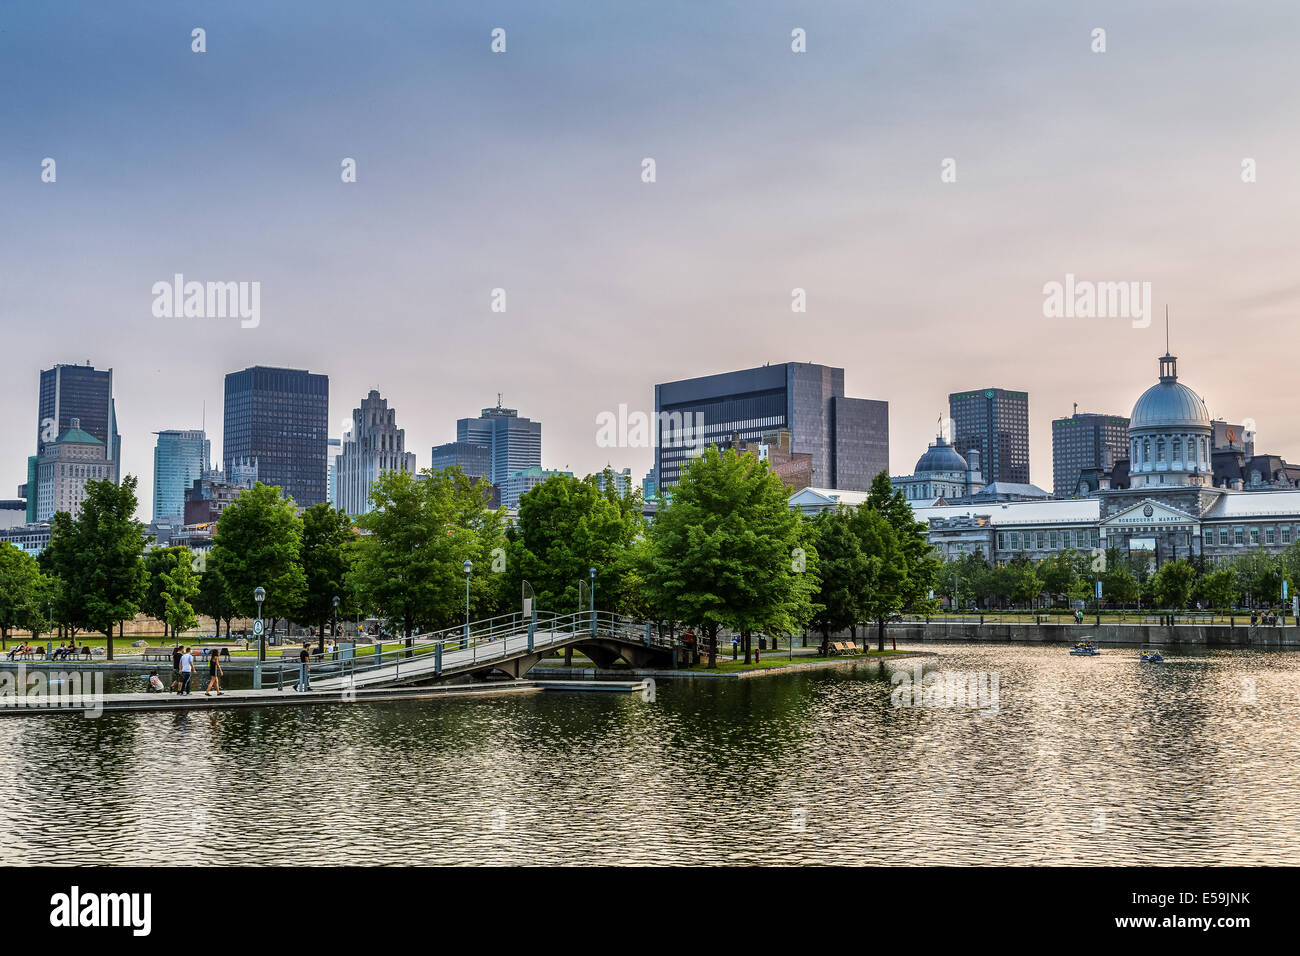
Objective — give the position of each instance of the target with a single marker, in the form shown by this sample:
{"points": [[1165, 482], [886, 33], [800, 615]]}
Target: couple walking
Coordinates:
{"points": [[183, 671]]}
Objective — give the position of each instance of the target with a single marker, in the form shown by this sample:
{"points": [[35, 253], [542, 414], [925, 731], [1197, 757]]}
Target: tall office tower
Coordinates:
{"points": [[474, 460], [515, 443], [1084, 442], [995, 421], [332, 454], [374, 446], [179, 459], [280, 416], [848, 438], [84, 393]]}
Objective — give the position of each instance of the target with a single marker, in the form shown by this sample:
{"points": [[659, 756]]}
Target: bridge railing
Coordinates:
{"points": [[453, 649]]}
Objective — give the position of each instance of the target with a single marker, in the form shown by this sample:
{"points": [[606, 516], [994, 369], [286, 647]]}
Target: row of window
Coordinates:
{"points": [[1141, 451], [1254, 536], [1049, 540]]}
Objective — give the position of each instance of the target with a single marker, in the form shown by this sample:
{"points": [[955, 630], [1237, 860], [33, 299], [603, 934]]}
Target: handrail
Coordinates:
{"points": [[493, 638]]}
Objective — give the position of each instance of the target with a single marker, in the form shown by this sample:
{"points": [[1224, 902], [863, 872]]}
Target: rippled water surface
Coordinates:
{"points": [[1087, 760]]}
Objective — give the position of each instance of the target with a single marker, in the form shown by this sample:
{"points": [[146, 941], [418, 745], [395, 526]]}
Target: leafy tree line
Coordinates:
{"points": [[725, 552], [1250, 579]]}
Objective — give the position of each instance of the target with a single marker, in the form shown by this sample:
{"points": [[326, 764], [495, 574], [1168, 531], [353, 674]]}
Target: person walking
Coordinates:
{"points": [[177, 651], [304, 670], [214, 674], [187, 672]]}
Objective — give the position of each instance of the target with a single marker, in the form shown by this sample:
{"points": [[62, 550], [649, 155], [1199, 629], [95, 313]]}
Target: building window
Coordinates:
{"points": [[1015, 541], [1238, 537], [1160, 449], [1178, 448], [1223, 536], [1254, 536], [1209, 537], [1286, 534], [1053, 540], [1002, 541], [1067, 538], [1269, 536]]}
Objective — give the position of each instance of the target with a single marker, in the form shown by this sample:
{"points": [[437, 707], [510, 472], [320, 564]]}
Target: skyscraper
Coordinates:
{"points": [[473, 459], [84, 393], [848, 438], [374, 445], [1083, 442], [179, 459], [995, 421], [515, 443], [280, 416]]}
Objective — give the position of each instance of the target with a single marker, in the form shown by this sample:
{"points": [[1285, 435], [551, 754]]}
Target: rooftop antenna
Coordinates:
{"points": [[1166, 328], [1076, 409]]}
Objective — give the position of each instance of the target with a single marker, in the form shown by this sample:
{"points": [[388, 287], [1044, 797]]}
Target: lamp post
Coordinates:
{"points": [[467, 567], [259, 595], [334, 621], [592, 591]]}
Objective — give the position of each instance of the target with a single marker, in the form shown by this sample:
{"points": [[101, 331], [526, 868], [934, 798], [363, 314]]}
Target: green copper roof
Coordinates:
{"points": [[79, 436]]}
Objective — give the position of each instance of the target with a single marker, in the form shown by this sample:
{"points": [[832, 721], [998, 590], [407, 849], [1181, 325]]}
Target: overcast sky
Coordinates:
{"points": [[523, 171]]}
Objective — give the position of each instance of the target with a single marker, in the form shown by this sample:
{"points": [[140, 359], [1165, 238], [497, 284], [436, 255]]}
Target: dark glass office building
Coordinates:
{"points": [[513, 443], [280, 417], [79, 391], [848, 438], [1085, 442], [995, 421], [474, 459]]}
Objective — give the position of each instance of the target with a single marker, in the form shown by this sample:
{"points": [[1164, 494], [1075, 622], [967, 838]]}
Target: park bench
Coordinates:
{"points": [[72, 654], [157, 654]]}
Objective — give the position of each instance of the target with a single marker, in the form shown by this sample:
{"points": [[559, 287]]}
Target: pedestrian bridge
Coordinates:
{"points": [[510, 644]]}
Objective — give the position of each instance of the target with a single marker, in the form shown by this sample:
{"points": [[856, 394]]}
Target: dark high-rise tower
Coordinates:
{"points": [[514, 443], [85, 393], [995, 421], [1085, 442], [280, 417], [848, 438]]}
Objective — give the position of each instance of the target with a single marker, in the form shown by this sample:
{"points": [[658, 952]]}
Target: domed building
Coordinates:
{"points": [[941, 473], [1171, 435]]}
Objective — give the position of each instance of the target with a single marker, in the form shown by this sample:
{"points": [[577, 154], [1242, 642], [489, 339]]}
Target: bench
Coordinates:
{"points": [[157, 654], [844, 647], [71, 654]]}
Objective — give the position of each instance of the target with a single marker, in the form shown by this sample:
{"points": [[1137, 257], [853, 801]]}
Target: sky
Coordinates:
{"points": [[523, 171]]}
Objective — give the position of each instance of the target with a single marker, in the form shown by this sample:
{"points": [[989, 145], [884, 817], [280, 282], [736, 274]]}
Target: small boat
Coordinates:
{"points": [[1152, 657], [1084, 649]]}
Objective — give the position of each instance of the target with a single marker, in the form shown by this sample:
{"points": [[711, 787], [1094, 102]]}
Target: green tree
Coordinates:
{"points": [[1172, 583], [21, 584], [180, 587], [409, 557], [1059, 573], [843, 572], [1217, 588], [157, 563], [61, 561], [728, 550], [566, 526], [258, 543], [909, 568], [110, 549], [213, 599], [327, 541], [885, 581]]}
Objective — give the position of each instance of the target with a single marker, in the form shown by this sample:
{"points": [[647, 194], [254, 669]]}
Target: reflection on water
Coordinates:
{"points": [[1086, 760]]}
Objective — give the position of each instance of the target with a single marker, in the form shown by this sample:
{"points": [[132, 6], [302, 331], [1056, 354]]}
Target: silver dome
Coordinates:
{"points": [[1169, 403], [940, 457]]}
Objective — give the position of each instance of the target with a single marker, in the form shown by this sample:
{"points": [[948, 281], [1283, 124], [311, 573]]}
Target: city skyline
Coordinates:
{"points": [[775, 172]]}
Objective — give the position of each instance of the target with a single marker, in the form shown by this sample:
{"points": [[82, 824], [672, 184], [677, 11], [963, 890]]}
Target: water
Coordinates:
{"points": [[1087, 760]]}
